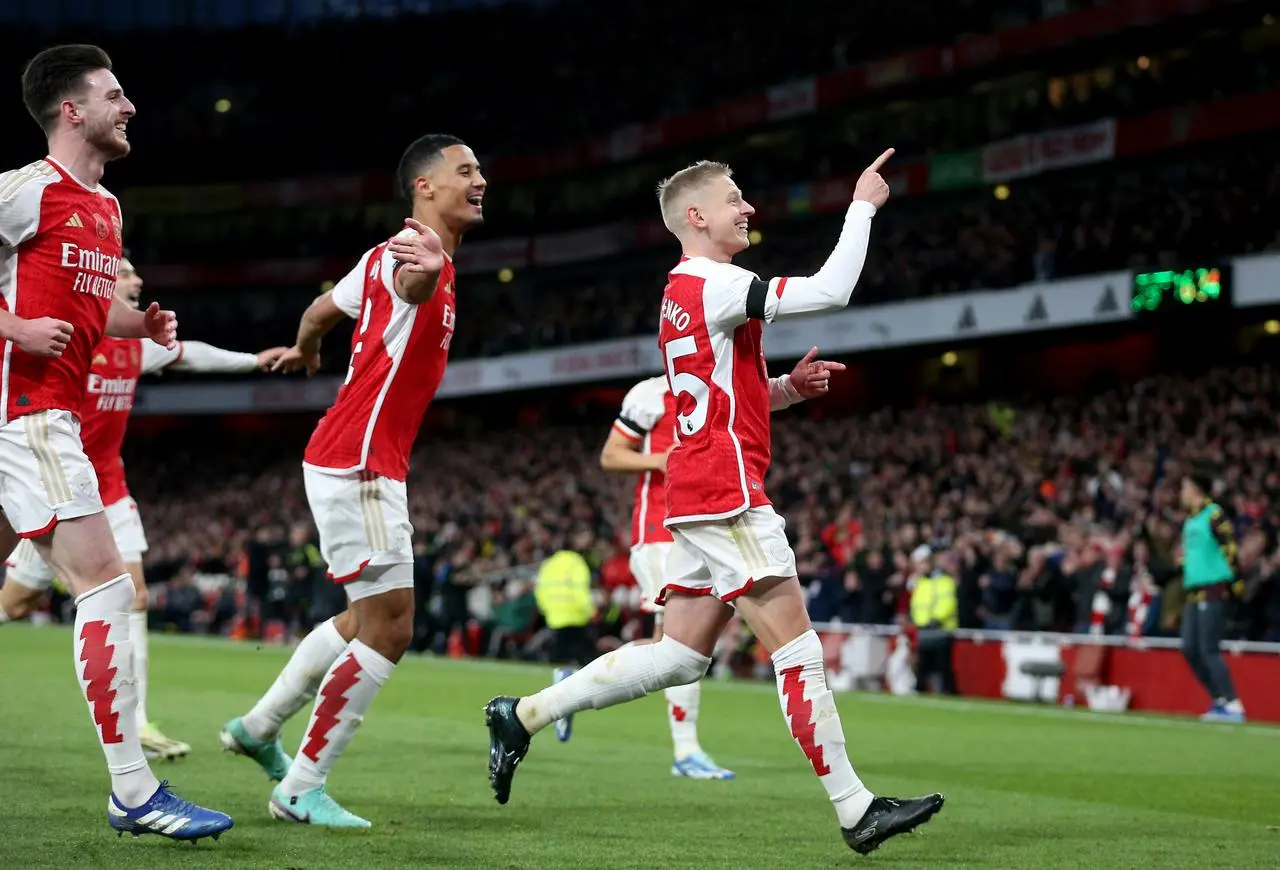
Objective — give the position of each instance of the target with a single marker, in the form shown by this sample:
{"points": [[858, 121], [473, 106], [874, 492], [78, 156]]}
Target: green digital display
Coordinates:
{"points": [[1178, 288]]}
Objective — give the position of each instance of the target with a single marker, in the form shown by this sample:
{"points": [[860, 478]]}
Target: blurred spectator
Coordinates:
{"points": [[934, 615], [563, 594]]}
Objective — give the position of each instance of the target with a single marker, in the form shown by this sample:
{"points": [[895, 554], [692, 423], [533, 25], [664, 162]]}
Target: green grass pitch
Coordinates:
{"points": [[1027, 787]]}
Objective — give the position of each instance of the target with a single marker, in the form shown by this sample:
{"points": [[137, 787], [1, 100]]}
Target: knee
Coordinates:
{"points": [[388, 630], [347, 624], [18, 601], [140, 597], [679, 665]]}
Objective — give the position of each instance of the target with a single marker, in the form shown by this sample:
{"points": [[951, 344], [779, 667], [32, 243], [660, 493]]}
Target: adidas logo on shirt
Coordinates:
{"points": [[74, 221]]}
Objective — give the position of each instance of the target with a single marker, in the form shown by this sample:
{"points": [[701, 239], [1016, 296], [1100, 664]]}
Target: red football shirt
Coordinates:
{"points": [[398, 357], [60, 248], [710, 337], [648, 417]]}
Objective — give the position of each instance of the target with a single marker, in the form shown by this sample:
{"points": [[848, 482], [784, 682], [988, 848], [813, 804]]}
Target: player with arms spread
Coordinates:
{"points": [[402, 295], [730, 548], [639, 443], [60, 251], [104, 418]]}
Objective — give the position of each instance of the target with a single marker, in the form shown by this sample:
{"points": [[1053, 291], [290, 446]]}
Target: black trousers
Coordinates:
{"points": [[571, 645], [933, 656], [1201, 634]]}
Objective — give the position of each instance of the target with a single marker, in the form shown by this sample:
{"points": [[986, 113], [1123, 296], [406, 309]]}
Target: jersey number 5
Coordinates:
{"points": [[683, 383], [364, 324]]}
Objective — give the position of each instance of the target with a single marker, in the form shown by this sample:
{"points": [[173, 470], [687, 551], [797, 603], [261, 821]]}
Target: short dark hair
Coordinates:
{"points": [[55, 74], [1202, 477], [417, 157]]}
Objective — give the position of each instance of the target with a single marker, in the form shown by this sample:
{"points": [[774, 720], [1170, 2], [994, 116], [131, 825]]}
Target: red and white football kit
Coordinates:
{"points": [[60, 248], [648, 418], [104, 418], [358, 457], [727, 535]]}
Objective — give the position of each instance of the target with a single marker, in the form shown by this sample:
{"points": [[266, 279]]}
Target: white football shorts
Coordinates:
{"points": [[725, 558], [44, 475], [25, 567], [363, 520], [649, 567]]}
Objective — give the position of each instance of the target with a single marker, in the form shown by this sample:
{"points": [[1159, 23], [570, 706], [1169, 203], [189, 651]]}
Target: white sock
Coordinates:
{"points": [[682, 714], [4, 617], [138, 637], [345, 695], [627, 673], [296, 685], [810, 710], [104, 667]]}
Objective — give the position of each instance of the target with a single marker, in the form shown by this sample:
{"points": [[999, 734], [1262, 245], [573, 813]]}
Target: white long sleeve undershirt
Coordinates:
{"points": [[831, 287]]}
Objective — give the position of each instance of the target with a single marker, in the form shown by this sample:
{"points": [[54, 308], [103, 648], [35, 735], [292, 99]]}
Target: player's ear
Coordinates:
{"points": [[422, 186], [70, 111], [694, 214]]}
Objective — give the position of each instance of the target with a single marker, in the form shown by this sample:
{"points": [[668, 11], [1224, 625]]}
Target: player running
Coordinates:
{"points": [[104, 417], [638, 444], [730, 549], [60, 250], [403, 297]]}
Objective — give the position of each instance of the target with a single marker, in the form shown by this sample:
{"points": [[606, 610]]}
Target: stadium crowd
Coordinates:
{"points": [[1049, 515], [1148, 213], [1151, 214]]}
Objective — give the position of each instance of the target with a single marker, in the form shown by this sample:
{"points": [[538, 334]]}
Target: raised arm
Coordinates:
{"points": [[831, 287]]}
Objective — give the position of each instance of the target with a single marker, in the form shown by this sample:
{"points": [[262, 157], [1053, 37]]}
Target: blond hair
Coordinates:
{"points": [[673, 192]]}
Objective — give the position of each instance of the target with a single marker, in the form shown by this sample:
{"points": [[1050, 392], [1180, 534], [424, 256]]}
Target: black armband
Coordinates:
{"points": [[757, 293]]}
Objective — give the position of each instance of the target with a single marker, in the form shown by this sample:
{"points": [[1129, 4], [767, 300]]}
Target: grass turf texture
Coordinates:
{"points": [[1026, 787]]}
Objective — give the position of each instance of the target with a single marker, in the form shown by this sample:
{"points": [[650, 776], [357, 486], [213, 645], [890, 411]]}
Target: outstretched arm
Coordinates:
{"points": [[811, 377], [196, 356], [159, 325], [321, 316]]}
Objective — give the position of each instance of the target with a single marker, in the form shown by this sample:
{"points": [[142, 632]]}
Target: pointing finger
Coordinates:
{"points": [[415, 225], [881, 160]]}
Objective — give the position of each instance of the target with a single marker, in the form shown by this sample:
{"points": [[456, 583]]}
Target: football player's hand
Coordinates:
{"points": [[871, 187], [161, 326], [43, 336], [421, 253], [295, 359], [663, 457], [267, 358], [812, 377]]}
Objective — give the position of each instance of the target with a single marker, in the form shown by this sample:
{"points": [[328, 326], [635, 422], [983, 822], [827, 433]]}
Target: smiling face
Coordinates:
{"points": [[102, 112], [704, 208], [458, 186], [722, 213]]}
